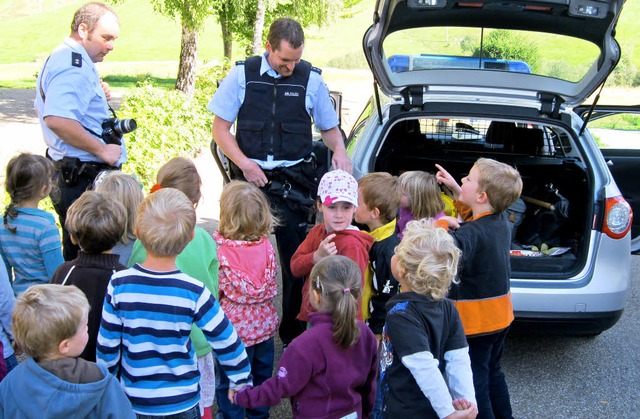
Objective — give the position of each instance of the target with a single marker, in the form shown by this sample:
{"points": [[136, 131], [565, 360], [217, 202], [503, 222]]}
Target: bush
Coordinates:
{"points": [[625, 73], [169, 124], [508, 45]]}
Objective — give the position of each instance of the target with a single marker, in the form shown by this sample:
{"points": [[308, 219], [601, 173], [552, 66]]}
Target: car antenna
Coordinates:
{"points": [[592, 107]]}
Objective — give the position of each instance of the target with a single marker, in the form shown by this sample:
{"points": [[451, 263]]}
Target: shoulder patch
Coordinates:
{"points": [[399, 307], [76, 59], [317, 70], [239, 62]]}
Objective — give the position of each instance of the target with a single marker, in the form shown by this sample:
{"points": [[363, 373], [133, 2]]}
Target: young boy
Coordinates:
{"points": [[148, 313], [378, 201], [50, 325], [483, 295], [423, 335], [338, 194], [95, 223]]}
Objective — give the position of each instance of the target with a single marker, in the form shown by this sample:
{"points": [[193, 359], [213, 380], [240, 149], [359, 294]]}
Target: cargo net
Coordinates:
{"points": [[455, 129]]}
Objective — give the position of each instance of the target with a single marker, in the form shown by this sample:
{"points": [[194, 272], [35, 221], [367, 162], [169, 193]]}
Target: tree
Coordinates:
{"points": [[507, 45], [245, 20]]}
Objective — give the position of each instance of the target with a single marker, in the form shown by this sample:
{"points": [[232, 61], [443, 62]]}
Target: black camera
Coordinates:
{"points": [[113, 129]]}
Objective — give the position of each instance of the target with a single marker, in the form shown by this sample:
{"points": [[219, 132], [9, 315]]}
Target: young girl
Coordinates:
{"points": [[125, 189], [247, 284], [421, 198], [198, 260], [425, 370], [329, 371], [29, 242]]}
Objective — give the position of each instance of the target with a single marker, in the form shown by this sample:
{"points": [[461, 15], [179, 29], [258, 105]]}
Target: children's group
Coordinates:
{"points": [[406, 298]]}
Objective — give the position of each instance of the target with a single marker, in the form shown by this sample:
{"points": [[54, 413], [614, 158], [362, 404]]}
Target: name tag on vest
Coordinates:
{"points": [[292, 94]]}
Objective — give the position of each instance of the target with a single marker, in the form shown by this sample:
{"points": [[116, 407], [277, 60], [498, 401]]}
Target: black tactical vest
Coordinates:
{"points": [[273, 119]]}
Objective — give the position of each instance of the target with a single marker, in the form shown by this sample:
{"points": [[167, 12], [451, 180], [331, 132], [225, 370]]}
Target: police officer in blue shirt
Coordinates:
{"points": [[274, 99], [71, 102]]}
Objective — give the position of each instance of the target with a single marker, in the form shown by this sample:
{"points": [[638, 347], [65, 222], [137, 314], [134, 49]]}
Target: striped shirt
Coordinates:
{"points": [[34, 251], [146, 321]]}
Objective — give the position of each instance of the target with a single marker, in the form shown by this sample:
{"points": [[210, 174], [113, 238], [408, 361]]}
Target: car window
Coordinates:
{"points": [[617, 131], [358, 127], [551, 55]]}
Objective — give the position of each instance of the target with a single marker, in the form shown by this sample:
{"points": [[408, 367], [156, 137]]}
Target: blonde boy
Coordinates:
{"points": [[423, 336], [148, 313], [379, 197], [50, 326], [483, 295]]}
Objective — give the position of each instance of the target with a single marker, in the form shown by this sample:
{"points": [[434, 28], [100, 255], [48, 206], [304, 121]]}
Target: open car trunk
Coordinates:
{"points": [[551, 221]]}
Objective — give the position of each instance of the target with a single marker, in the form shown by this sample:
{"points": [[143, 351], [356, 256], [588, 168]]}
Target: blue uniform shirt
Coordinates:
{"points": [[71, 92], [228, 99]]}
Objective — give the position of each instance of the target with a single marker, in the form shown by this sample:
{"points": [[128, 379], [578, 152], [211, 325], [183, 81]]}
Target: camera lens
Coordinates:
{"points": [[124, 126]]}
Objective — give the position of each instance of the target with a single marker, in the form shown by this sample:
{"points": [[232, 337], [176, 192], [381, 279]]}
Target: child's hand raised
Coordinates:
{"points": [[327, 248], [443, 177]]}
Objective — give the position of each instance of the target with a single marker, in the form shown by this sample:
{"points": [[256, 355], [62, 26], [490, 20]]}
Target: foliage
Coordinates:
{"points": [[169, 124], [507, 45], [625, 73]]}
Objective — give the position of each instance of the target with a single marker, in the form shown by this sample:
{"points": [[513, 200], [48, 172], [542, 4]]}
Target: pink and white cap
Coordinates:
{"points": [[338, 186]]}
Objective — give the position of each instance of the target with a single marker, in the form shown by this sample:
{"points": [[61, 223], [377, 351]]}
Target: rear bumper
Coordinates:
{"points": [[577, 324]]}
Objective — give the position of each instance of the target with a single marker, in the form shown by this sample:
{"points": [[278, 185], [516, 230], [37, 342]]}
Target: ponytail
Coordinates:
{"points": [[338, 280]]}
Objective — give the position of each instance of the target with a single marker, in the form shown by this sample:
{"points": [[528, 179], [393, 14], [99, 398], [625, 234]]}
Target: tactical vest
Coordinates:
{"points": [[273, 119]]}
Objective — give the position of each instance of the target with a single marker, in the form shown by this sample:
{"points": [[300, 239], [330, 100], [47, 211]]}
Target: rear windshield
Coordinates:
{"points": [[551, 55]]}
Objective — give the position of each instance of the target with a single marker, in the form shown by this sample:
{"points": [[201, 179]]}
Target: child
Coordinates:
{"points": [[483, 295], [199, 260], [95, 223], [421, 198], [149, 311], [423, 335], [7, 302], [378, 201], [50, 325], [330, 370], [247, 283], [29, 242], [125, 189], [338, 193]]}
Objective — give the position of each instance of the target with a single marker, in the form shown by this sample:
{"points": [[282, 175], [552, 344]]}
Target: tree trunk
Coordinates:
{"points": [[258, 28], [186, 80], [227, 41]]}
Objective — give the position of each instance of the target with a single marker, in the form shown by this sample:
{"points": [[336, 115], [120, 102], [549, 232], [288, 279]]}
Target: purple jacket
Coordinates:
{"points": [[322, 379]]}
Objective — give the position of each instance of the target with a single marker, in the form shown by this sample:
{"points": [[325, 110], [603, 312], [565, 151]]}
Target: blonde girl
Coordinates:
{"points": [[125, 189], [30, 243], [198, 260], [247, 284], [421, 198], [329, 370]]}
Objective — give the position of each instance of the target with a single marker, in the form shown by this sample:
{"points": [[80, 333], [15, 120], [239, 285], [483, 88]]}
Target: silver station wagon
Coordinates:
{"points": [[460, 80]]}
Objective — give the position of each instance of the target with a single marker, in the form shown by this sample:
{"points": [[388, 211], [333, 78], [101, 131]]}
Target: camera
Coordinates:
{"points": [[113, 129]]}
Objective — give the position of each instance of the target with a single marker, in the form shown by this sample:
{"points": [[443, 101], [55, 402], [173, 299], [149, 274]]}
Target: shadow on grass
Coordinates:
{"points": [[128, 81]]}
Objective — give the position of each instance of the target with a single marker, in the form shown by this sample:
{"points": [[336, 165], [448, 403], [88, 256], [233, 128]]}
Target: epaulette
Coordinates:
{"points": [[76, 59], [317, 70], [239, 62]]}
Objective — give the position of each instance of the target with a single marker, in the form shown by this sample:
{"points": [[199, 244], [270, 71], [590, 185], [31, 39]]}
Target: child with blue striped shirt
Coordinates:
{"points": [[30, 243], [148, 313]]}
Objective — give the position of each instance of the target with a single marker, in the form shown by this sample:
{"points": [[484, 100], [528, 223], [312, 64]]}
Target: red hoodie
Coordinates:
{"points": [[354, 244]]}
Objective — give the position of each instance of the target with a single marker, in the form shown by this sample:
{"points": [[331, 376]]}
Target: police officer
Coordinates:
{"points": [[71, 102], [274, 98]]}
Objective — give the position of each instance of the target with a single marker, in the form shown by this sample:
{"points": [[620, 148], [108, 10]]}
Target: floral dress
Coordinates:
{"points": [[247, 285]]}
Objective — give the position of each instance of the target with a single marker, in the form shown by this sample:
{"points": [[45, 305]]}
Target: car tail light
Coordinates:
{"points": [[617, 217]]}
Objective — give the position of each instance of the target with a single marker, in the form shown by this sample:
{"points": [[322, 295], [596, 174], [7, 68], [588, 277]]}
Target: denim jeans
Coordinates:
{"points": [[492, 393], [261, 359], [193, 413]]}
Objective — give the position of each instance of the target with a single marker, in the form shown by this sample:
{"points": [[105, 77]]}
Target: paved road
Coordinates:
{"points": [[549, 376]]}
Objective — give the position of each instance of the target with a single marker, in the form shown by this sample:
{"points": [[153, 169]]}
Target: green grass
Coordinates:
{"points": [[149, 43]]}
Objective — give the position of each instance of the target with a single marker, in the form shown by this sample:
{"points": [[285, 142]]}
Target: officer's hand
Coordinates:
{"points": [[340, 160], [110, 154], [254, 174], [106, 88]]}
